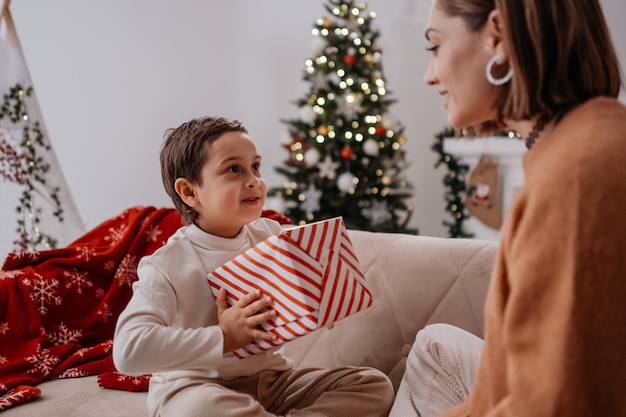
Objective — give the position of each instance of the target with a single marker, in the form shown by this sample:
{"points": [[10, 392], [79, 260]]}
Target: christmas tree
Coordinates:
{"points": [[345, 151]]}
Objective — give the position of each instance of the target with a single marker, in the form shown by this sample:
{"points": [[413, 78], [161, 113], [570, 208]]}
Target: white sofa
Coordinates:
{"points": [[415, 280]]}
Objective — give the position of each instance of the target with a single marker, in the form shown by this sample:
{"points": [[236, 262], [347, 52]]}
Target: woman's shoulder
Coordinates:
{"points": [[598, 120], [583, 158], [589, 141]]}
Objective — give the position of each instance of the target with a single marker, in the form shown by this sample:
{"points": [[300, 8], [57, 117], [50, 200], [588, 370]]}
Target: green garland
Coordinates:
{"points": [[25, 167], [454, 180]]}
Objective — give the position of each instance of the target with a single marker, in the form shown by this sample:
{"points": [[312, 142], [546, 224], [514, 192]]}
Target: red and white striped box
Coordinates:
{"points": [[310, 272]]}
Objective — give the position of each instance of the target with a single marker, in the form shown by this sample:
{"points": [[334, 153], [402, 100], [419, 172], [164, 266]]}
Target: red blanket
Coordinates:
{"points": [[58, 308]]}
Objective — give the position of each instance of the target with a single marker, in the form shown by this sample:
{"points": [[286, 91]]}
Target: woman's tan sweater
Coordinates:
{"points": [[555, 331]]}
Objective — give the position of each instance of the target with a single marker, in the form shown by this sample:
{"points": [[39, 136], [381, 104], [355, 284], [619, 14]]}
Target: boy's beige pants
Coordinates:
{"points": [[340, 392]]}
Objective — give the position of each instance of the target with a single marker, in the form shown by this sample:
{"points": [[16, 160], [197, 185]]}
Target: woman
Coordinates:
{"points": [[555, 321]]}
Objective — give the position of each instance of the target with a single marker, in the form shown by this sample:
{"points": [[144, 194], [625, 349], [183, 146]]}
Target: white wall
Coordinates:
{"points": [[112, 75]]}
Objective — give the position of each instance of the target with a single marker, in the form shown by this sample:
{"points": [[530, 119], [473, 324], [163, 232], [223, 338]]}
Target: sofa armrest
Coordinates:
{"points": [[415, 281]]}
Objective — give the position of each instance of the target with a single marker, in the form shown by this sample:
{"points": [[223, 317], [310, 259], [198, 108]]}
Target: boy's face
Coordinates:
{"points": [[233, 192]]}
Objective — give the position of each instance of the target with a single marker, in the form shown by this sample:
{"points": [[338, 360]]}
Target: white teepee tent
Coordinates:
{"points": [[37, 210]]}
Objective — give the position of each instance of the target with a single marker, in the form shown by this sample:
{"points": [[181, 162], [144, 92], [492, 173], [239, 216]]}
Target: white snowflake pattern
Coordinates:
{"points": [[311, 201], [378, 212], [85, 252], [10, 398], [115, 234], [30, 256], [43, 361], [100, 293], [3, 359], [108, 346], [328, 168], [395, 165], [81, 352], [135, 380], [9, 274], [105, 347], [73, 373], [4, 327], [105, 313], [152, 234], [349, 105], [64, 336], [127, 271], [109, 265], [319, 80], [43, 293], [77, 278]]}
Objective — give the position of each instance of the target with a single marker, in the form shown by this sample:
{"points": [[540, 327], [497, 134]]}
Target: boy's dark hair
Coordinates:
{"points": [[184, 152]]}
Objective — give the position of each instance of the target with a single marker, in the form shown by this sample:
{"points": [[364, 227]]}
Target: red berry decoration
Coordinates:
{"points": [[346, 152], [349, 59], [380, 130]]}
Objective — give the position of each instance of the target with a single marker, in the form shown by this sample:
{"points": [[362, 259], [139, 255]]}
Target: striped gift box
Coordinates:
{"points": [[311, 273]]}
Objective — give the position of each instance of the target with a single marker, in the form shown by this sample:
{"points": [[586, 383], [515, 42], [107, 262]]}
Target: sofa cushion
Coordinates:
{"points": [[415, 281]]}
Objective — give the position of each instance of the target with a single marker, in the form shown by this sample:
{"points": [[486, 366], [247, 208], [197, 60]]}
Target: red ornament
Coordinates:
{"points": [[349, 59], [346, 152], [380, 129]]}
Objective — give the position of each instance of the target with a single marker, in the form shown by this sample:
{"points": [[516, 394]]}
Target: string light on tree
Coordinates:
{"points": [[344, 140]]}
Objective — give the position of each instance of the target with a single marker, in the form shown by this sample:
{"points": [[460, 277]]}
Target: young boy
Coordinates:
{"points": [[174, 329]]}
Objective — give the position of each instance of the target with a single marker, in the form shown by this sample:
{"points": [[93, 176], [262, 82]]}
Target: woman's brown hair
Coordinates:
{"points": [[560, 51], [184, 152]]}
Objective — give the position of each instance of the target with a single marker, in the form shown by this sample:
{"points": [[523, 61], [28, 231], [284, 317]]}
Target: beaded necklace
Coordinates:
{"points": [[537, 129]]}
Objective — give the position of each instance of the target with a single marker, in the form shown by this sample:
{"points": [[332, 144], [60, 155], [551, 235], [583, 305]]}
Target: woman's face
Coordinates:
{"points": [[457, 67]]}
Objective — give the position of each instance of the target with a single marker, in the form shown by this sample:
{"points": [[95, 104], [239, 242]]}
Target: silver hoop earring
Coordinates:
{"points": [[497, 81]]}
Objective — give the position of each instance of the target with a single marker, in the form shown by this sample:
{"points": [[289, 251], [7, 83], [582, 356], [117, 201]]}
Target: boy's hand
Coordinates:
{"points": [[240, 322]]}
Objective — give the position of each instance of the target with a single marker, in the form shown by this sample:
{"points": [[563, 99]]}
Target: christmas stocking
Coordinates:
{"points": [[480, 199]]}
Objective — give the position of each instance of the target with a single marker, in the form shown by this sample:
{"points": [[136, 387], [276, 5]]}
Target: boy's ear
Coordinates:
{"points": [[495, 37], [186, 191]]}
